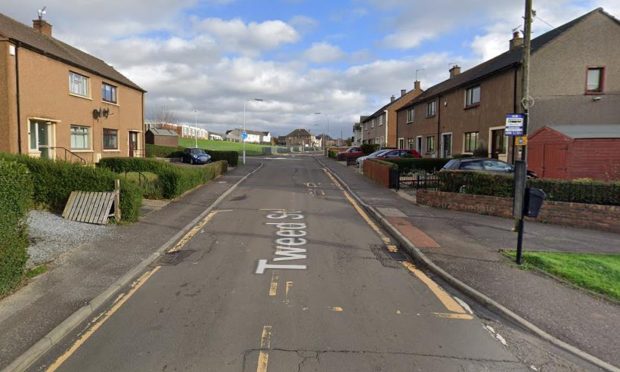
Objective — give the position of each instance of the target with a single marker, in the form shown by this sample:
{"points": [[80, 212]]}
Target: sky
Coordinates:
{"points": [[315, 64]]}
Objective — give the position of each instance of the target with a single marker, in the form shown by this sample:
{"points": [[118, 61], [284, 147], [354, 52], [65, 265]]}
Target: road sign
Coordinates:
{"points": [[521, 140], [244, 135], [515, 124]]}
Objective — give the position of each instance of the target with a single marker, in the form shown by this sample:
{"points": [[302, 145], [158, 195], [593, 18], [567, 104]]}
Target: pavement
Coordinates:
{"points": [[79, 275], [467, 246]]}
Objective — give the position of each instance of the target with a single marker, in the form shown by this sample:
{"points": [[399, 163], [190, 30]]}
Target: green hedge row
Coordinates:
{"points": [[55, 180], [589, 192], [368, 149], [232, 157], [174, 179], [16, 190], [408, 165]]}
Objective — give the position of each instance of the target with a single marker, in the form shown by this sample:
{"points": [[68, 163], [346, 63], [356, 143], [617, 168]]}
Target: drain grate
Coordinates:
{"points": [[174, 258], [398, 255]]}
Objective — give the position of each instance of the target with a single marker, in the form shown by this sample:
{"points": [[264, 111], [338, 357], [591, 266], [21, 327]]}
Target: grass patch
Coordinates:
{"points": [[599, 273], [251, 149], [147, 181], [36, 271]]}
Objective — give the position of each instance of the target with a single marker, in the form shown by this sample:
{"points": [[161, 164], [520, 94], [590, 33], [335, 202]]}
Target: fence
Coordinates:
{"points": [[419, 180]]}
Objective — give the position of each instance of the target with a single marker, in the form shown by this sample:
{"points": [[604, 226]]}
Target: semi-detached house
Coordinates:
{"points": [[575, 80], [59, 102]]}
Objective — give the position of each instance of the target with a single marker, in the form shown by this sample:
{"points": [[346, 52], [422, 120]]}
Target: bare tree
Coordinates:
{"points": [[165, 116]]}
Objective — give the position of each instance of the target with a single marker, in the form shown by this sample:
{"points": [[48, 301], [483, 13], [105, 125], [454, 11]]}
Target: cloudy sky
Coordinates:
{"points": [[342, 58]]}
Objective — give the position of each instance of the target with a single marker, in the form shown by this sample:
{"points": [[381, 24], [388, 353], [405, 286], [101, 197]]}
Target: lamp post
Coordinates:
{"points": [[195, 128], [243, 139]]}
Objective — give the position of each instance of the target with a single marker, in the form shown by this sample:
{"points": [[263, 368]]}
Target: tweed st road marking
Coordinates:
{"points": [[289, 242]]}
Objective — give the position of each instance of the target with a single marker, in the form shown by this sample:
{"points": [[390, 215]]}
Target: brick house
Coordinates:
{"points": [[61, 103], [575, 79], [381, 127], [299, 137]]}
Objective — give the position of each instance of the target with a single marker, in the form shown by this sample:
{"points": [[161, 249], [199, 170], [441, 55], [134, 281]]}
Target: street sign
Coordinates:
{"points": [[515, 124], [244, 135], [521, 140]]}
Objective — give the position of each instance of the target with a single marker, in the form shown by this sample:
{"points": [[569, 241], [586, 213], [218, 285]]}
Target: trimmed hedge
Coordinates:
{"points": [[232, 157], [407, 165], [478, 183], [174, 180], [16, 189], [54, 181], [368, 149]]}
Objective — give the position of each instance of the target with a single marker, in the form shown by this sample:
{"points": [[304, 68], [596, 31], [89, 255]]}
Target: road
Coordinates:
{"points": [[286, 275]]}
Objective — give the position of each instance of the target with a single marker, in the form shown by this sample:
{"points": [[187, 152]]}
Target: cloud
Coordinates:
{"points": [[323, 52]]}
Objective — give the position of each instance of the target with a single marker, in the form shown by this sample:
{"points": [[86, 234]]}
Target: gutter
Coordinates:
{"points": [[19, 120], [438, 144]]}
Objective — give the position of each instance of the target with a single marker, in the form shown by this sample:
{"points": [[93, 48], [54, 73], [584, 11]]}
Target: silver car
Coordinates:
{"points": [[360, 161]]}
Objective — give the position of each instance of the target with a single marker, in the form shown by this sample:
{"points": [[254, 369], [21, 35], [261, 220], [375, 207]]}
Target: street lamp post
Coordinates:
{"points": [[243, 139], [195, 128]]}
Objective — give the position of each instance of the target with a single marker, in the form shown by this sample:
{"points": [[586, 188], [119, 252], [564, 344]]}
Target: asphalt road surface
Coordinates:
{"points": [[286, 275]]}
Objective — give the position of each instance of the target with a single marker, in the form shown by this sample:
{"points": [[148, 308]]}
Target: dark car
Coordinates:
{"points": [[482, 165], [351, 153], [195, 155], [399, 153]]}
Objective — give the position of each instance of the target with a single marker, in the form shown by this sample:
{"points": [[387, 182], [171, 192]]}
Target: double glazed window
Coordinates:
{"points": [[472, 96], [110, 139], [471, 141], [431, 109], [410, 115], [594, 80], [108, 93], [78, 84], [80, 137], [430, 144]]}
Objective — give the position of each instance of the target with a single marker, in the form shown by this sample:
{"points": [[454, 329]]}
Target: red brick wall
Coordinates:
{"points": [[595, 158], [590, 216], [377, 171]]}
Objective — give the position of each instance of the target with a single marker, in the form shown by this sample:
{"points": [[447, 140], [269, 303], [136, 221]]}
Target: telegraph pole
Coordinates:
{"points": [[526, 103]]}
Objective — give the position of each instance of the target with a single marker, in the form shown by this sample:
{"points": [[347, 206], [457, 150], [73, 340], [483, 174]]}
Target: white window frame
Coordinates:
{"points": [[114, 90], [431, 109], [465, 142], [427, 151], [410, 115], [469, 96], [103, 140], [79, 92], [442, 144], [89, 136]]}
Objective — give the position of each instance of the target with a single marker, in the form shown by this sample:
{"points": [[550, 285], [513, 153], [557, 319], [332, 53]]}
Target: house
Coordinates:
{"points": [[253, 136], [216, 136], [162, 137], [575, 79], [59, 102], [381, 128], [576, 151], [357, 131], [299, 137]]}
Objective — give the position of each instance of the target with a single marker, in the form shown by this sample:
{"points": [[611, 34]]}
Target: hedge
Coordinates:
{"points": [[368, 149], [55, 180], [408, 165], [232, 157], [174, 179], [16, 189], [588, 192]]}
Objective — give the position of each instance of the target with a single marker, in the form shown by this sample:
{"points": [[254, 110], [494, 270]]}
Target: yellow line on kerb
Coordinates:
{"points": [[265, 345], [102, 319], [187, 237]]}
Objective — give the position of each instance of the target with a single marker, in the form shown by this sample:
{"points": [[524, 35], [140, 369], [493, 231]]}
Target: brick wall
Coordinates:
{"points": [[377, 171], [590, 216]]}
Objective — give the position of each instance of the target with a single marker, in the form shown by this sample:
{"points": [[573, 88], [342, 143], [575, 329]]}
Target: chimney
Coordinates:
{"points": [[42, 26], [516, 41], [455, 70], [403, 92], [392, 99], [416, 85]]}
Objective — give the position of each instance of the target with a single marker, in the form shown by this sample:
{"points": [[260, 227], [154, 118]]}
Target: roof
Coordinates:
{"points": [[588, 130], [163, 132], [31, 39], [504, 61], [299, 133], [380, 111]]}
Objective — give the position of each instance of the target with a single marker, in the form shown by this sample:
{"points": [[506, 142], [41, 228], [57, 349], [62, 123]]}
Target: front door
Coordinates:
{"points": [[498, 144], [401, 143], [133, 144], [418, 144], [40, 138], [446, 145]]}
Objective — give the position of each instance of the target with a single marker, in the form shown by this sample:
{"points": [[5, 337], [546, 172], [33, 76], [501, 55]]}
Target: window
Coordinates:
{"points": [[78, 84], [430, 144], [471, 141], [372, 123], [431, 109], [80, 138], [472, 96], [411, 144], [110, 139], [381, 120], [410, 115], [497, 166], [594, 80], [472, 165], [108, 93]]}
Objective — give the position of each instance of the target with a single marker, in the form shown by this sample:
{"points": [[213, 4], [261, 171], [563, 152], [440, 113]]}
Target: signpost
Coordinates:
{"points": [[244, 135], [515, 124]]}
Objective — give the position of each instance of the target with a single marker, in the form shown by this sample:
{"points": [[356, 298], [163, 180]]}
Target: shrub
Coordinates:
{"points": [[408, 165], [481, 152], [592, 192], [368, 149], [15, 201], [232, 157], [174, 180], [55, 180]]}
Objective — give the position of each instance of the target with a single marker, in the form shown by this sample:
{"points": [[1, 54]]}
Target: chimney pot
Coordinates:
{"points": [[392, 99], [43, 27], [403, 92], [416, 85], [516, 41], [455, 70]]}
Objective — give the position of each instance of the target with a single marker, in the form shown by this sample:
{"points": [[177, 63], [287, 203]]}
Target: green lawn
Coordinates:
{"points": [[251, 149], [597, 272]]}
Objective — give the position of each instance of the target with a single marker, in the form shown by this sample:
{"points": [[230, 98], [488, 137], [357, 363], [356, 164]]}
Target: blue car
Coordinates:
{"points": [[195, 155]]}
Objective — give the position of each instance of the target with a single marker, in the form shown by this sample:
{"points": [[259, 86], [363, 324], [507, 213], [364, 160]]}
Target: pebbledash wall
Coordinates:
{"points": [[590, 216]]}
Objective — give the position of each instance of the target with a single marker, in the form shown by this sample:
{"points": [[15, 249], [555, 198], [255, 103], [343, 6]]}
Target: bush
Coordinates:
{"points": [[408, 165], [232, 157], [589, 192], [55, 180], [368, 149], [174, 180], [16, 189]]}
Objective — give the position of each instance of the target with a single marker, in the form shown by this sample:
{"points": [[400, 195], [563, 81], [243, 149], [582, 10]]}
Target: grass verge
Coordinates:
{"points": [[36, 271], [599, 273], [251, 149]]}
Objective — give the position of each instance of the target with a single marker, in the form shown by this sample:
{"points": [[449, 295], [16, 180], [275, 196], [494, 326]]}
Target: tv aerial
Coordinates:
{"points": [[41, 12]]}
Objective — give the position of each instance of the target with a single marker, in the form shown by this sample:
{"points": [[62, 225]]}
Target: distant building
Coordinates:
{"points": [[253, 136], [299, 137]]}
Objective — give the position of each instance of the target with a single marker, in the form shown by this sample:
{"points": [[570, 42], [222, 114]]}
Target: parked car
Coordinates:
{"points": [[483, 165], [400, 153], [194, 155], [360, 161], [351, 153]]}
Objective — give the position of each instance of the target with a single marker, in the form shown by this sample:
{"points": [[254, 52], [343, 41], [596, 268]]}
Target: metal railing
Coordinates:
{"points": [[419, 180], [69, 155]]}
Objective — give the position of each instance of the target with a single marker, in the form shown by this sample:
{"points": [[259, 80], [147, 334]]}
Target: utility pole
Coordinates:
{"points": [[526, 103]]}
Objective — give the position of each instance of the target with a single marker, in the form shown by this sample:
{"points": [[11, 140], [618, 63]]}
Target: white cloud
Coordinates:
{"points": [[323, 52]]}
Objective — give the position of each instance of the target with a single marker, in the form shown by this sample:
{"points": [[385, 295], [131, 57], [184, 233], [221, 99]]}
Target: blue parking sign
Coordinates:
{"points": [[515, 124], [244, 135]]}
